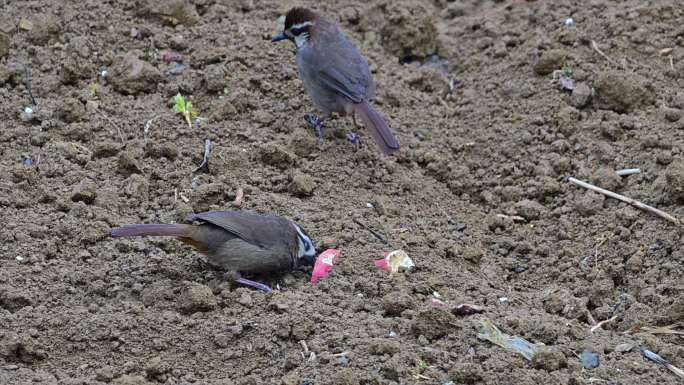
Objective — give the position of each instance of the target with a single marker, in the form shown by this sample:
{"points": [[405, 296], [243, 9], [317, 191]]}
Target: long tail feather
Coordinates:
{"points": [[174, 230], [377, 127]]}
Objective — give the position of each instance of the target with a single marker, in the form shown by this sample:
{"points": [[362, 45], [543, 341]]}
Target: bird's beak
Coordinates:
{"points": [[278, 37]]}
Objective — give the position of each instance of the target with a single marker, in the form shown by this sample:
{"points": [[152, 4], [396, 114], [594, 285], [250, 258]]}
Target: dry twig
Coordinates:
{"points": [[628, 171], [596, 48], [377, 235], [625, 199], [599, 324], [669, 329], [661, 361], [208, 146]]}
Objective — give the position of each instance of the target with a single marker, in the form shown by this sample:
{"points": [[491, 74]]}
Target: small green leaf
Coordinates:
{"points": [[180, 106], [567, 71]]}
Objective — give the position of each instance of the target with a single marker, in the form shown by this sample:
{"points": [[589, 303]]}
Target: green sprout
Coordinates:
{"points": [[422, 366], [567, 71], [184, 107]]}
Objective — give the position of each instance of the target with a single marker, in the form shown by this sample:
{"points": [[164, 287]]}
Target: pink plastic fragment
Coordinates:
{"points": [[382, 263], [434, 302], [394, 261], [324, 264]]}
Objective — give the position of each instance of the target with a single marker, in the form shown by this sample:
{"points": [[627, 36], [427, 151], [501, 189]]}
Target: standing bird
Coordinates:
{"points": [[334, 73], [239, 242]]}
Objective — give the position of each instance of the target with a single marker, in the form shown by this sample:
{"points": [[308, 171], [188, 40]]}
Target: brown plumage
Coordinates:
{"points": [[237, 241], [334, 73]]}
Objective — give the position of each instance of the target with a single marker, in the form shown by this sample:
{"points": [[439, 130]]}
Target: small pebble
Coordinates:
{"points": [[343, 360], [27, 160], [503, 300], [20, 259], [392, 333], [569, 21], [624, 348], [590, 360], [657, 245], [176, 69]]}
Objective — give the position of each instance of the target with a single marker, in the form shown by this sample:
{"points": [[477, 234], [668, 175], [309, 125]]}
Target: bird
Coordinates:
{"points": [[238, 241], [334, 73]]}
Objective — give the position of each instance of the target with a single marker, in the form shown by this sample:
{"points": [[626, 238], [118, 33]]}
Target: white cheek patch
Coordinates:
{"points": [[301, 39], [300, 239], [302, 25]]}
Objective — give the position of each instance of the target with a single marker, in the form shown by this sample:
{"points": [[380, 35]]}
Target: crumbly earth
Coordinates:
{"points": [[476, 195]]}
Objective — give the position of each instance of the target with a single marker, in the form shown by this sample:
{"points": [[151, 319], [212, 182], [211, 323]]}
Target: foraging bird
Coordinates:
{"points": [[239, 242], [334, 73]]}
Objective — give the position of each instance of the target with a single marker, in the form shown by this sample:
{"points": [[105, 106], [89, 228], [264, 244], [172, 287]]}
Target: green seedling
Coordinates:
{"points": [[185, 108], [567, 71], [422, 366]]}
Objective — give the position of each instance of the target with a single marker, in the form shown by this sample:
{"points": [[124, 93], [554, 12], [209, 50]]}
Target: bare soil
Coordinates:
{"points": [[476, 195]]}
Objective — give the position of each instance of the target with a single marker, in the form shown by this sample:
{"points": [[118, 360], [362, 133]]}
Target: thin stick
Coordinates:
{"points": [[661, 361], [628, 171], [599, 324], [623, 198], [27, 83], [208, 146], [515, 218], [376, 234], [596, 48]]}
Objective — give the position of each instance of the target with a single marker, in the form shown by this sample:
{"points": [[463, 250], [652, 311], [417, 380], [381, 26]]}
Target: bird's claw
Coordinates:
{"points": [[316, 123], [354, 138], [257, 285]]}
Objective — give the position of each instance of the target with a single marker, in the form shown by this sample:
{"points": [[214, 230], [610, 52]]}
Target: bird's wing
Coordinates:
{"points": [[341, 68], [261, 230]]}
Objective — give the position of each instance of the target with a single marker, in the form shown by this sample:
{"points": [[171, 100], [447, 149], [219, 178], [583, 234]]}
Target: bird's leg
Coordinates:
{"points": [[236, 277], [257, 285], [354, 137], [316, 123]]}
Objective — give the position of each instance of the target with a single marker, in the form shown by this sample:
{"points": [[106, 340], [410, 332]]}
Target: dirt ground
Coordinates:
{"points": [[494, 103]]}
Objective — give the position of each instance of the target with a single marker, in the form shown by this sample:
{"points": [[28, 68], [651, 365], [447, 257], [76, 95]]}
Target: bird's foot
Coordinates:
{"points": [[354, 138], [316, 123], [257, 285]]}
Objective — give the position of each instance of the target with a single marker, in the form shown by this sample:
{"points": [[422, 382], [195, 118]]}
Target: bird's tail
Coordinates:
{"points": [[377, 127], [175, 230]]}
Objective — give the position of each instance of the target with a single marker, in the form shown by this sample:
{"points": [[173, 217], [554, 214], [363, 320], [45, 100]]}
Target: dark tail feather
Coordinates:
{"points": [[153, 229], [377, 127]]}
